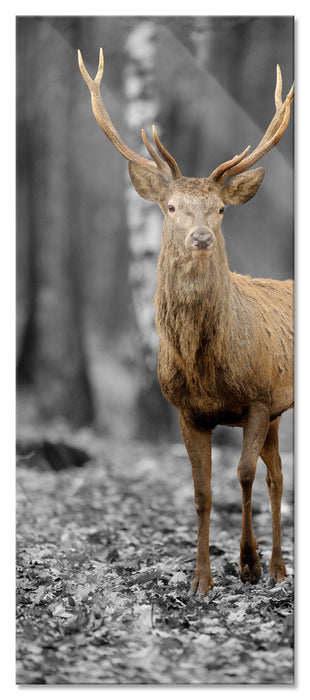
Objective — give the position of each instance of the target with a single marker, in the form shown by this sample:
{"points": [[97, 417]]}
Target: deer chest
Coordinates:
{"points": [[187, 389], [205, 398]]}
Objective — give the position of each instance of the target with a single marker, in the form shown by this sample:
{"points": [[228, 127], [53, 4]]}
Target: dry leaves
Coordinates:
{"points": [[105, 558]]}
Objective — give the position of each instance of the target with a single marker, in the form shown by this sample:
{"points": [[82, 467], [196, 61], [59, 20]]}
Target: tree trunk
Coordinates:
{"points": [[52, 353], [145, 224]]}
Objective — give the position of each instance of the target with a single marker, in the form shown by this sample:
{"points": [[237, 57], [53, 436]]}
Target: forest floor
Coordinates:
{"points": [[105, 556]]}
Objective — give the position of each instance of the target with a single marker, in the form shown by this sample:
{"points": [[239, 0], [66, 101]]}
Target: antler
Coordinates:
{"points": [[273, 133], [167, 168]]}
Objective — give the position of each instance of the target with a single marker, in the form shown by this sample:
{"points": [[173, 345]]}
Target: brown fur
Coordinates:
{"points": [[225, 353], [226, 340]]}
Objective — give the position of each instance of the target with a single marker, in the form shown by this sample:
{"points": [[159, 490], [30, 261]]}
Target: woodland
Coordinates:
{"points": [[105, 518]]}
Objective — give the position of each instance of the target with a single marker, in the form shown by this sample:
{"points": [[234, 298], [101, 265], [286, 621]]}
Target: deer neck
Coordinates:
{"points": [[192, 300]]}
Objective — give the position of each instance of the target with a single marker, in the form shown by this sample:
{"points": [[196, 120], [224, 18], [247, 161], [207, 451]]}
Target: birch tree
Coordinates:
{"points": [[142, 109]]}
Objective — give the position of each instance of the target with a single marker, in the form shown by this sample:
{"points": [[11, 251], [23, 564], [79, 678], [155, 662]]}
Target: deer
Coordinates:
{"points": [[226, 354]]}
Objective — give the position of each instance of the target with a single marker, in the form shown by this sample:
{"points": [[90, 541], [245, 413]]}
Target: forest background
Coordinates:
{"points": [[87, 245], [119, 534]]}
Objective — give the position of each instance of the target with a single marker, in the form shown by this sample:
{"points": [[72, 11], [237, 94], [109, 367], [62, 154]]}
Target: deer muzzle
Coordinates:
{"points": [[200, 238]]}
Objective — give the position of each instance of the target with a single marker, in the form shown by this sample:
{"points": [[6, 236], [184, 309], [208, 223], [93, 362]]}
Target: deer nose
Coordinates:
{"points": [[201, 238]]}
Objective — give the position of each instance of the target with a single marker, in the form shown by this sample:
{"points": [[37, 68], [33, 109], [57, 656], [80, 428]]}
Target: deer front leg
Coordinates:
{"points": [[198, 445], [272, 459], [254, 433]]}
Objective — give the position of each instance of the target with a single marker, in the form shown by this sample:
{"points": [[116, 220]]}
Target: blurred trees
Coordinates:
{"points": [[86, 244], [51, 351], [142, 109]]}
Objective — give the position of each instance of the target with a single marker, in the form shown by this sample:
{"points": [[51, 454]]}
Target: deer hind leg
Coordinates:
{"points": [[274, 479], [198, 445], [254, 433]]}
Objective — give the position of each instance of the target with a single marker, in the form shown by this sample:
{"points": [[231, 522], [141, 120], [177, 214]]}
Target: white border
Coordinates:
{"points": [[7, 301]]}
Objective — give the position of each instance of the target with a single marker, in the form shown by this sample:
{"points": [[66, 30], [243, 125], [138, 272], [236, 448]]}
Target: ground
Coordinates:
{"points": [[105, 556]]}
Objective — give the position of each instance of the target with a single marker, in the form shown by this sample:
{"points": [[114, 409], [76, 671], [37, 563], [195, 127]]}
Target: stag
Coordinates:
{"points": [[226, 340]]}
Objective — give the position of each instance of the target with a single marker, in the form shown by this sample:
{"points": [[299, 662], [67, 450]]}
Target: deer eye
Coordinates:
{"points": [[171, 207], [221, 210]]}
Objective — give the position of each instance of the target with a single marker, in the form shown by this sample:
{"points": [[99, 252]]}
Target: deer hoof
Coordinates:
{"points": [[201, 583], [250, 571], [278, 570]]}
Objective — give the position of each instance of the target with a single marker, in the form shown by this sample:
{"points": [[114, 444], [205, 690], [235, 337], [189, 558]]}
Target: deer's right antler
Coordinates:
{"points": [[273, 133], [167, 168]]}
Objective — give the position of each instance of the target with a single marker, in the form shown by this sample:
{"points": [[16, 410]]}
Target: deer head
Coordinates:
{"points": [[193, 207]]}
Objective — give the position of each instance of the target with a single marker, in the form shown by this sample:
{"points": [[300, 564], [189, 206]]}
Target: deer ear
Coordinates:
{"points": [[243, 187], [148, 185]]}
